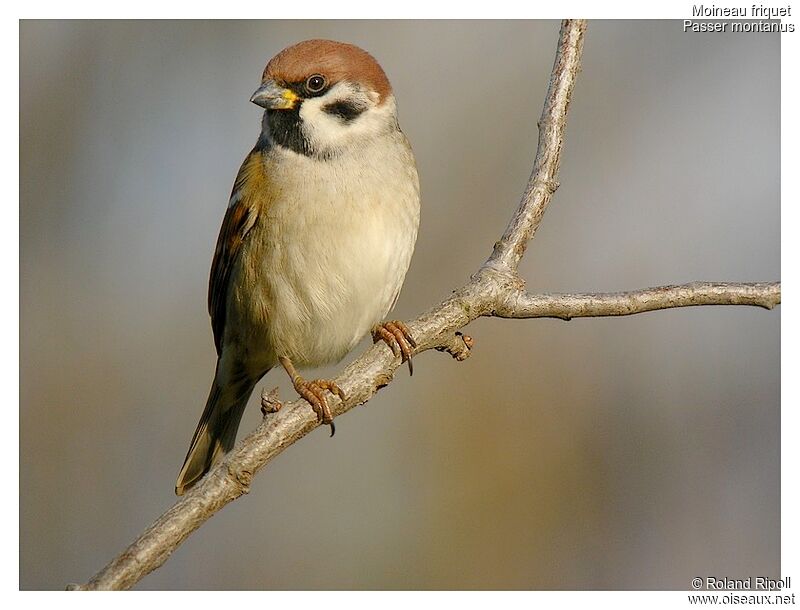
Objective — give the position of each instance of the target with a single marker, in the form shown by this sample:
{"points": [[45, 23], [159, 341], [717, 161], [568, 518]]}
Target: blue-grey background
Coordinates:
{"points": [[604, 454]]}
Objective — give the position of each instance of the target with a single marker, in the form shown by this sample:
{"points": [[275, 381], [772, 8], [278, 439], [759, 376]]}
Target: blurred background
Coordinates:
{"points": [[630, 453]]}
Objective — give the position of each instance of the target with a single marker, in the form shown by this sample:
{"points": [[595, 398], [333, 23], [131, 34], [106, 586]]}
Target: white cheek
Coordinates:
{"points": [[327, 132], [324, 130]]}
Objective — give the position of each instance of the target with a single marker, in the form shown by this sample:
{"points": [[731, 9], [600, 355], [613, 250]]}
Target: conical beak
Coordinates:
{"points": [[272, 96]]}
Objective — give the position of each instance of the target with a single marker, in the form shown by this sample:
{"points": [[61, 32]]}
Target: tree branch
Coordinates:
{"points": [[495, 290], [568, 306], [543, 181]]}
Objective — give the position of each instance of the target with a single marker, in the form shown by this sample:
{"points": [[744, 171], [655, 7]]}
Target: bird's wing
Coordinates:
{"points": [[240, 217]]}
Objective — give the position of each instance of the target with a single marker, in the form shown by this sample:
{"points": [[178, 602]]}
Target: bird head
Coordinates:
{"points": [[322, 97]]}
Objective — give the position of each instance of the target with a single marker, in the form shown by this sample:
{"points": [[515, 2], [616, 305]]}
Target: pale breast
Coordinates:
{"points": [[334, 248]]}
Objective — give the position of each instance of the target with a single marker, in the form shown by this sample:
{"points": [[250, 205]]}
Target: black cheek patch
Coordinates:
{"points": [[347, 111]]}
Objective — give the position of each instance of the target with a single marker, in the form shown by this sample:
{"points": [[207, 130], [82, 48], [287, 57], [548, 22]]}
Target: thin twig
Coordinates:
{"points": [[544, 177], [568, 306], [495, 290]]}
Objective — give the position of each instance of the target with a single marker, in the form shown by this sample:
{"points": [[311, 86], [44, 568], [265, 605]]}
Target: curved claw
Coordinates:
{"points": [[398, 337], [314, 393]]}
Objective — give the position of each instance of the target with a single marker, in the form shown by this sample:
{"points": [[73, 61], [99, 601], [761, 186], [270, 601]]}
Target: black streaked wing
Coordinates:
{"points": [[240, 217]]}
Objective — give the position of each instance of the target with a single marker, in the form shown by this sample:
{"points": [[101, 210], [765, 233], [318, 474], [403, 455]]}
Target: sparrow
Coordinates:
{"points": [[316, 239]]}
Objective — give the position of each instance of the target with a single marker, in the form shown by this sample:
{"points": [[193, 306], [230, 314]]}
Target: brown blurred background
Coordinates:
{"points": [[628, 453]]}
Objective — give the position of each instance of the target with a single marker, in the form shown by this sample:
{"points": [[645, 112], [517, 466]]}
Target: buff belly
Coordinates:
{"points": [[330, 263]]}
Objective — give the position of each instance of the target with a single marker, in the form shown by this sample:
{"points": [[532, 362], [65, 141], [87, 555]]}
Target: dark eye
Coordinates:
{"points": [[315, 83]]}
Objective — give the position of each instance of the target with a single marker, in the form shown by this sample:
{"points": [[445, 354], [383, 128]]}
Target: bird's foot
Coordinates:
{"points": [[396, 335], [314, 393]]}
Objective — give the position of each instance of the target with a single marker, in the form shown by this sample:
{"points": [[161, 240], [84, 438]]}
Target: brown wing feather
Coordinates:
{"points": [[241, 215]]}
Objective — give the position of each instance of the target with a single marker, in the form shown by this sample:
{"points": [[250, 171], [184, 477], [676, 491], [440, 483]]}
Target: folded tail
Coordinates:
{"points": [[216, 432]]}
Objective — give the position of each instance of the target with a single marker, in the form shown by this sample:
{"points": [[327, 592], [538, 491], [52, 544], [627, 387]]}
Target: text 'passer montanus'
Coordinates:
{"points": [[316, 240]]}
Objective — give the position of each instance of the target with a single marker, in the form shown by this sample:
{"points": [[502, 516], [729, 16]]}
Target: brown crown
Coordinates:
{"points": [[336, 61]]}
